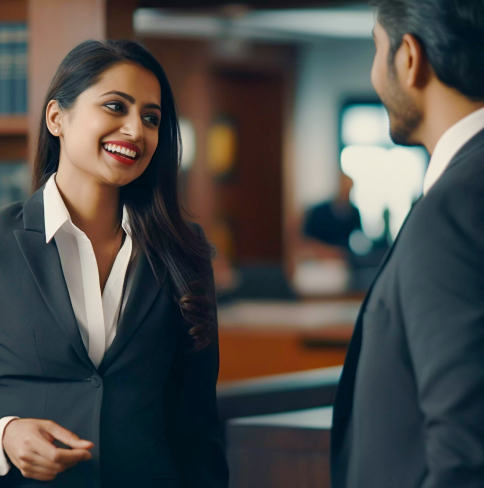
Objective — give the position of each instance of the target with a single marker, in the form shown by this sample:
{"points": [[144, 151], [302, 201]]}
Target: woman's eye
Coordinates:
{"points": [[153, 119], [116, 104]]}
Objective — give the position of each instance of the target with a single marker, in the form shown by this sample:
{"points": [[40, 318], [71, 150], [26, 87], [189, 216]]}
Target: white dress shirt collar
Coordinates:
{"points": [[97, 312], [56, 213], [450, 144]]}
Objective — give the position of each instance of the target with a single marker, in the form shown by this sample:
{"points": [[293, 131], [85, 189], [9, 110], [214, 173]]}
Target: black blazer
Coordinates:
{"points": [[150, 407], [409, 410]]}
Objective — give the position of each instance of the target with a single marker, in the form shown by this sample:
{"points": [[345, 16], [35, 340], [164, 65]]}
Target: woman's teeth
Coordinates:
{"points": [[120, 150]]}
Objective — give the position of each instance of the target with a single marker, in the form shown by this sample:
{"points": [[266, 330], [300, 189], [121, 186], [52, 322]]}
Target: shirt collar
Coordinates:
{"points": [[56, 214], [450, 144]]}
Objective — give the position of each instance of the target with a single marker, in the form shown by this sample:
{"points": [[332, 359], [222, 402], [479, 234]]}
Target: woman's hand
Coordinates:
{"points": [[29, 445]]}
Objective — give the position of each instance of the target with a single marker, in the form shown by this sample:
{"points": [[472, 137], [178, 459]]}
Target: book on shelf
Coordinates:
{"points": [[13, 68], [15, 181]]}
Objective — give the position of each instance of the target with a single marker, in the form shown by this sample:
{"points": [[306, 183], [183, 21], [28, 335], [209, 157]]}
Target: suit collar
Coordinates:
{"points": [[56, 214], [440, 165], [34, 212], [44, 263], [450, 143], [475, 144], [55, 210]]}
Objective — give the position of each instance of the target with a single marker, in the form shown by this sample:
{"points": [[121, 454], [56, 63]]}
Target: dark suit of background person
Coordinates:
{"points": [[326, 222], [333, 221], [46, 373], [413, 381]]}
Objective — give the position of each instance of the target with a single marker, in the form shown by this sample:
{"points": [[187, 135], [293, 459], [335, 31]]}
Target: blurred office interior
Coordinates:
{"points": [[281, 128]]}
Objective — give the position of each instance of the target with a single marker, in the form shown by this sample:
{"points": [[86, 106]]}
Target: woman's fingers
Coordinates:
{"points": [[47, 455], [28, 443], [65, 436]]}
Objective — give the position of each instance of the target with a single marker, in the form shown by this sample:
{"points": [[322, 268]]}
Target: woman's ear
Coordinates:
{"points": [[53, 118]]}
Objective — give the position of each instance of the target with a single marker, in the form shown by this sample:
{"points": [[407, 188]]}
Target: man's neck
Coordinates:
{"points": [[444, 109]]}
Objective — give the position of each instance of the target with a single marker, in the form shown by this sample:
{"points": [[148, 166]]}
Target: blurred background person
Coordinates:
{"points": [[332, 222]]}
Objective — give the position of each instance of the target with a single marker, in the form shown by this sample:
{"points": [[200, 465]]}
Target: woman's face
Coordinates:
{"points": [[123, 107]]}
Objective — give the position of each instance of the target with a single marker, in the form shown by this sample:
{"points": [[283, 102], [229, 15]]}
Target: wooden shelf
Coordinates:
{"points": [[13, 125], [14, 11]]}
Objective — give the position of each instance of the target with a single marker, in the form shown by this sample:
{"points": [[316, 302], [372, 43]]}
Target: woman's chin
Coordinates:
{"points": [[116, 176]]}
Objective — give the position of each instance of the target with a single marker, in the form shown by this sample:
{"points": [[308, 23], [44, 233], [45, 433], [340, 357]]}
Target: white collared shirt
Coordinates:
{"points": [[96, 314], [450, 144]]}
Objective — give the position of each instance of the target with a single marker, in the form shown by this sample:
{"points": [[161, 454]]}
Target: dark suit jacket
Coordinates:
{"points": [[409, 411], [150, 407], [323, 222]]}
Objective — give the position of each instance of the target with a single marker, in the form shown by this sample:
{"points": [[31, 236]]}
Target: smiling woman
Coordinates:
{"points": [[110, 290], [132, 112]]}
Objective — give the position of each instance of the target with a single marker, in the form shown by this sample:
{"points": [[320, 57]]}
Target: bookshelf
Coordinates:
{"points": [[15, 174], [14, 128]]}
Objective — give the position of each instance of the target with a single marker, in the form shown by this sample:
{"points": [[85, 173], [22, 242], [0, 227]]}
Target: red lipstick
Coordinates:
{"points": [[120, 158]]}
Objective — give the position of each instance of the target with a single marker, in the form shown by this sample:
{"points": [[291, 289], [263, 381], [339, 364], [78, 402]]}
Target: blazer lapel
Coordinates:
{"points": [[344, 395], [44, 263], [144, 291]]}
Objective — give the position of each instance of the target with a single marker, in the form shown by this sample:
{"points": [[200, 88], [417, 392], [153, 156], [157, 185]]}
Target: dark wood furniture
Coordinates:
{"points": [[277, 393], [285, 450]]}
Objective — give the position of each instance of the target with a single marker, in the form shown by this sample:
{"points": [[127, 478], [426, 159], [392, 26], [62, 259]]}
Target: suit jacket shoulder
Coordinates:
{"points": [[11, 216], [452, 212], [11, 219]]}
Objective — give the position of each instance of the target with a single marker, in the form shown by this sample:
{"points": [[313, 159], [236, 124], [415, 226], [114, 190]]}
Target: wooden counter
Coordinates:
{"points": [[277, 393], [266, 338], [285, 450]]}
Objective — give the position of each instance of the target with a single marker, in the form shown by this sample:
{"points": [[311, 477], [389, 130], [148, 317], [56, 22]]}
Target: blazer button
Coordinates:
{"points": [[95, 382]]}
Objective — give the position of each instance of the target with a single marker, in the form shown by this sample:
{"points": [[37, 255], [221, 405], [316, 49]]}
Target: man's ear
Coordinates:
{"points": [[53, 118], [411, 63]]}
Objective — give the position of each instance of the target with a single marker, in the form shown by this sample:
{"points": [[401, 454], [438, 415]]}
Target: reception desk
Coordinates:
{"points": [[267, 338], [277, 393], [284, 450]]}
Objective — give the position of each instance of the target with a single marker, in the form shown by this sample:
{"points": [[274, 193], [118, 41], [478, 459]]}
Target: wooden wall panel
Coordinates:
{"points": [[119, 18], [13, 10], [194, 68], [251, 198]]}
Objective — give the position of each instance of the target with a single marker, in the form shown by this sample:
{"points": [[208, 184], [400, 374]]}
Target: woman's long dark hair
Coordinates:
{"points": [[152, 200]]}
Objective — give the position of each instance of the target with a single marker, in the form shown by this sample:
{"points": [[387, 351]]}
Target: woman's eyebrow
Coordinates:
{"points": [[130, 99]]}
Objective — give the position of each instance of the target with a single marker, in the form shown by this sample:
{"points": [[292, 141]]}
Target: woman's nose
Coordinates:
{"points": [[133, 127]]}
